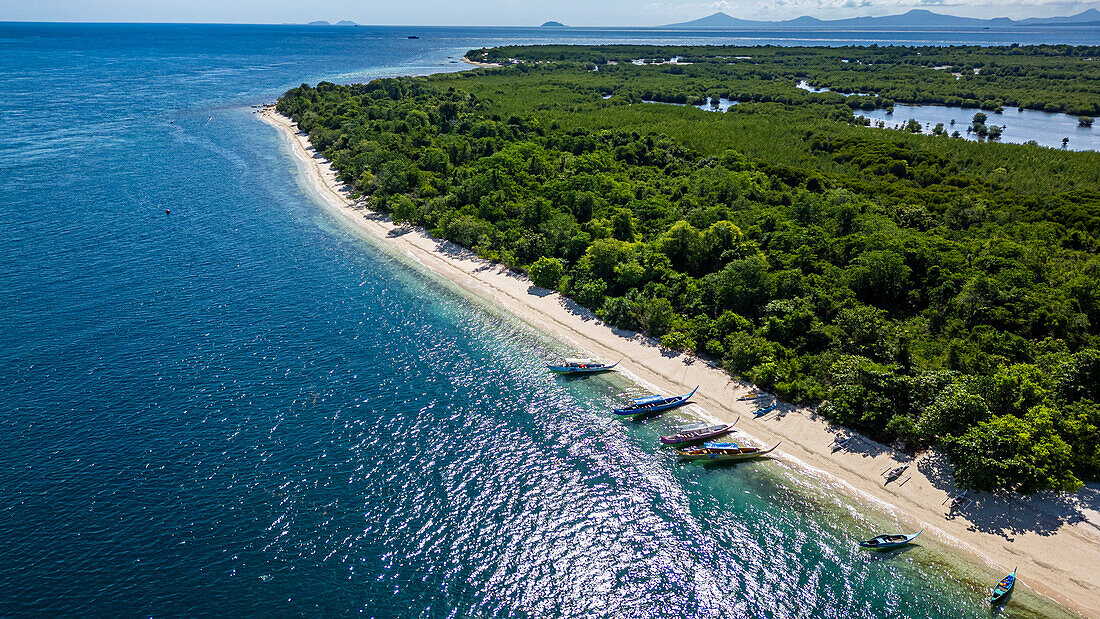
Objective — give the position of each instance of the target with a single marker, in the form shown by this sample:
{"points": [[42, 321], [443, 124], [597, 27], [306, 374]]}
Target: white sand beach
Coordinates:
{"points": [[1054, 540]]}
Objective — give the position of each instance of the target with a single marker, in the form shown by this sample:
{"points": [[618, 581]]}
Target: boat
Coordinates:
{"points": [[840, 445], [713, 445], [890, 541], [654, 404], [581, 366], [726, 454], [1003, 588], [752, 396], [895, 473], [764, 411], [694, 435], [413, 36], [957, 501]]}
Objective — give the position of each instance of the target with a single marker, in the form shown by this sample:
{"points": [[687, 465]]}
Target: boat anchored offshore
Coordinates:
{"points": [[694, 435], [1003, 588], [654, 404], [890, 541], [724, 454], [581, 366]]}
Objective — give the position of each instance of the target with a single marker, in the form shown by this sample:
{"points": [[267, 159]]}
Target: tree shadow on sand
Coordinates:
{"points": [[1007, 514], [538, 292]]}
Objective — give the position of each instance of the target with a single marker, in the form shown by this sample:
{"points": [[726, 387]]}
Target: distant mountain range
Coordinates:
{"points": [[917, 18], [322, 22]]}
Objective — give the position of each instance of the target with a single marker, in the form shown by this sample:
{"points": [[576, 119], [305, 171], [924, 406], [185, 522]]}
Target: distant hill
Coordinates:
{"points": [[319, 23], [322, 22], [917, 18], [344, 22], [553, 24]]}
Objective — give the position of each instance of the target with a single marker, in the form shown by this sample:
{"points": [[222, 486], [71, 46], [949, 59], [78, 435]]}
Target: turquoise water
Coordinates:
{"points": [[243, 408]]}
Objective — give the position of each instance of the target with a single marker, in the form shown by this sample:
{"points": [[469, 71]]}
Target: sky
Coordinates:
{"points": [[506, 12]]}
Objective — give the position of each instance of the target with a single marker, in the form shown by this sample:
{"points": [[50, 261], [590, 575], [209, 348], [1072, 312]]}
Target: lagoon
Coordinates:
{"points": [[1020, 125]]}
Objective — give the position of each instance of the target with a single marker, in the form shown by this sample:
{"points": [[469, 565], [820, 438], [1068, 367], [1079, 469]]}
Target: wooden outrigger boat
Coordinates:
{"points": [[890, 541], [724, 454], [654, 404], [895, 473], [694, 435], [752, 396], [841, 445], [1003, 588], [764, 411], [581, 366], [957, 501]]}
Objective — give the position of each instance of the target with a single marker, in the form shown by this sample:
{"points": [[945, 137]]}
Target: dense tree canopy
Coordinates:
{"points": [[926, 291]]}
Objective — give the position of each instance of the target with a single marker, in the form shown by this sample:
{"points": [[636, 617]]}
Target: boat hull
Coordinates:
{"points": [[1003, 588], [890, 544], [574, 369], [687, 438], [650, 408], [723, 457], [629, 412]]}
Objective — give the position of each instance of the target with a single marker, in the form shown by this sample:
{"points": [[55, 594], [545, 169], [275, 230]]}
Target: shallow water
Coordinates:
{"points": [[1020, 126], [244, 408]]}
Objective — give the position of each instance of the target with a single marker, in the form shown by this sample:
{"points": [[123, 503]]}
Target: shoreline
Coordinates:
{"points": [[1053, 539], [479, 64]]}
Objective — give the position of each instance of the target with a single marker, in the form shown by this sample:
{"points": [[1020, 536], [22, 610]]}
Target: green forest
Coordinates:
{"points": [[923, 290]]}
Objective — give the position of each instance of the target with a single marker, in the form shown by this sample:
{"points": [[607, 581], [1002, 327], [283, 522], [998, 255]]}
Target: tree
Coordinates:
{"points": [[1084, 121], [546, 272], [980, 118], [1026, 455], [743, 286], [622, 225], [879, 277], [952, 413], [683, 245]]}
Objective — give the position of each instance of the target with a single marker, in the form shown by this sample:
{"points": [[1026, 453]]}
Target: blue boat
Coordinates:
{"points": [[654, 404], [581, 366], [720, 446], [1003, 588], [764, 411]]}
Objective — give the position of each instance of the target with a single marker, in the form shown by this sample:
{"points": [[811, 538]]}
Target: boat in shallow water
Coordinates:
{"points": [[581, 366], [724, 454], [654, 404], [890, 541], [1003, 588], [694, 435]]}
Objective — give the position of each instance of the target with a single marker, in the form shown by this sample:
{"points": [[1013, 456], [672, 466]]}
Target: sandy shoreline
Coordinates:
{"points": [[479, 64], [1055, 541]]}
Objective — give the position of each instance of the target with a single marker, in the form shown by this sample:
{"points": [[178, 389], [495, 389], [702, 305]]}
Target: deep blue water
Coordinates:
{"points": [[245, 409]]}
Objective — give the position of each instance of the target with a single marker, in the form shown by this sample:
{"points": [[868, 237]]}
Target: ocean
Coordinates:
{"points": [[246, 408]]}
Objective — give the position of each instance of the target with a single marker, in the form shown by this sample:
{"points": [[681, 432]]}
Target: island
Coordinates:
{"points": [[915, 18], [553, 24], [934, 297]]}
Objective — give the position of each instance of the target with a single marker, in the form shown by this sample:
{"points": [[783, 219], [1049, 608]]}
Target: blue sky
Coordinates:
{"points": [[505, 12]]}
